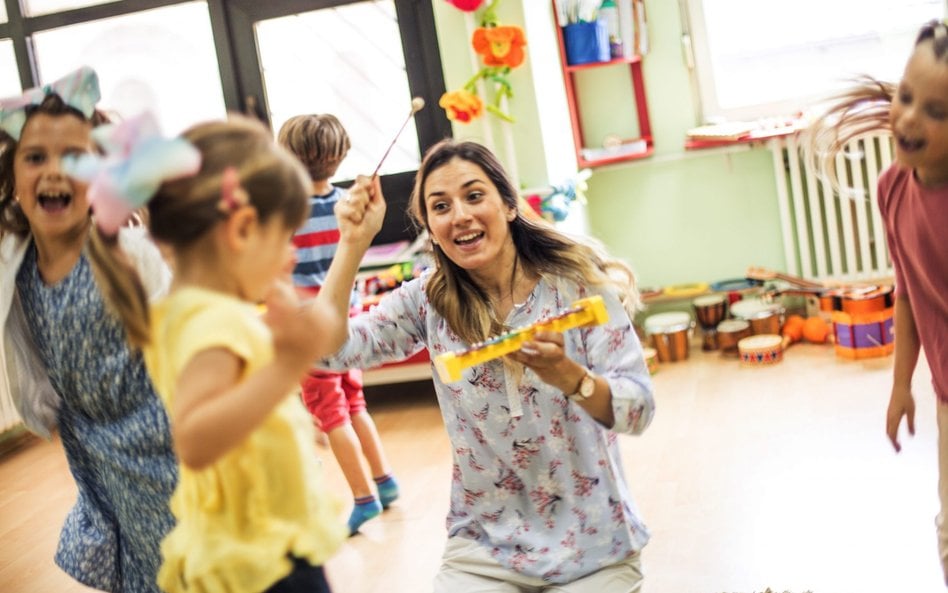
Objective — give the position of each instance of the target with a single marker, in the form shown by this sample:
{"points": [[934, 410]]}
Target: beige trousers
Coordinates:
{"points": [[467, 567]]}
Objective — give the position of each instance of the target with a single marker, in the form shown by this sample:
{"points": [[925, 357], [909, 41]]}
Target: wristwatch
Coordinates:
{"points": [[587, 385]]}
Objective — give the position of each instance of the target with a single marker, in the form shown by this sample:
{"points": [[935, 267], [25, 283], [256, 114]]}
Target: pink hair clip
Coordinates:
{"points": [[233, 196]]}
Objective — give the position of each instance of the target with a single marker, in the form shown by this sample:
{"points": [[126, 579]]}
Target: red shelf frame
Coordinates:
{"points": [[641, 104]]}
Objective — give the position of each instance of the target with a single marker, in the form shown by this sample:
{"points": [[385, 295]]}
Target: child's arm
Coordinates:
{"points": [[214, 410], [360, 218], [907, 346]]}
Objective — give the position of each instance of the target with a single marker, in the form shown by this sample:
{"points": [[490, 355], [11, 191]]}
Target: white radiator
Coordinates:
{"points": [[825, 235]]}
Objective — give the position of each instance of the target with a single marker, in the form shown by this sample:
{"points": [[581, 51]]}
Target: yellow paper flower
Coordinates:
{"points": [[462, 105], [500, 46]]}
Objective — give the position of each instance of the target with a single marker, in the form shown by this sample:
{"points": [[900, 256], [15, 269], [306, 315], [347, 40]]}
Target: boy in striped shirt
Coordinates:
{"points": [[335, 400]]}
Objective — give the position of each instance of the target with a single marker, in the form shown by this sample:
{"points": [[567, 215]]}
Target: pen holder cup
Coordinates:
{"points": [[586, 42]]}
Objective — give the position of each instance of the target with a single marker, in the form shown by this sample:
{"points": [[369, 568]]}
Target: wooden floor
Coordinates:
{"points": [[749, 478]]}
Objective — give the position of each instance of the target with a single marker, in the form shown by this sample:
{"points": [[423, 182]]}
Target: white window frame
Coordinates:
{"points": [[891, 47]]}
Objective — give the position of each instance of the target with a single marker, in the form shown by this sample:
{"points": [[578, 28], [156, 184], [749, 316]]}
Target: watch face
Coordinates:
{"points": [[587, 386]]}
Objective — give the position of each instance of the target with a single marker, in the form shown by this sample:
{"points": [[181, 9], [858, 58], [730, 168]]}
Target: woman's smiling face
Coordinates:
{"points": [[53, 203], [467, 216]]}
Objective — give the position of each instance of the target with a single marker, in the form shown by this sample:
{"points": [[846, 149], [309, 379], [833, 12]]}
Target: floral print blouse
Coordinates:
{"points": [[536, 479]]}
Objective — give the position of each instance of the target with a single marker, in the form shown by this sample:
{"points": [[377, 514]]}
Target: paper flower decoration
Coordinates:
{"points": [[137, 161], [500, 46], [463, 105], [466, 5], [500, 49]]}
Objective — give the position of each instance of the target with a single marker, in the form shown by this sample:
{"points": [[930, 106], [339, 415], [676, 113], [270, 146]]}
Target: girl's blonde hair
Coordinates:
{"points": [[861, 110], [12, 219], [541, 249], [318, 141], [183, 210]]}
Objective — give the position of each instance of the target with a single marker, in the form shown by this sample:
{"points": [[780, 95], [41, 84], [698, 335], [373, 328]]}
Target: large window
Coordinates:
{"points": [[9, 81], [361, 79], [759, 59], [38, 7], [160, 60]]}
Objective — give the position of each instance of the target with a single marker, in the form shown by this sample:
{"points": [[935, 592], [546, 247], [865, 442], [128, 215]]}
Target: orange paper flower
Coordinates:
{"points": [[500, 46], [462, 105]]}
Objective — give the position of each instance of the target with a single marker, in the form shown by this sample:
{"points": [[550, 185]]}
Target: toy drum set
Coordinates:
{"points": [[762, 316], [710, 310], [729, 333], [668, 334], [862, 322], [761, 349]]}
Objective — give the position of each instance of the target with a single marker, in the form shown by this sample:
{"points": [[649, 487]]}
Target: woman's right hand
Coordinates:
{"points": [[361, 213], [901, 403]]}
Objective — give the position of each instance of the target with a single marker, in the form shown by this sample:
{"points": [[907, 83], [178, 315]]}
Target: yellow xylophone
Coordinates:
{"points": [[583, 313]]}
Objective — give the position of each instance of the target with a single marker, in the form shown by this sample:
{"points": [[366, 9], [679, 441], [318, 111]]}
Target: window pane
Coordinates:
{"points": [[9, 79], [162, 60], [796, 58], [35, 7], [347, 61], [3, 13]]}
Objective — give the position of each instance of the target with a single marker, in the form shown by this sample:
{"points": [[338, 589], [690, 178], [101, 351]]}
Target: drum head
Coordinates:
{"points": [[761, 342], [732, 326], [709, 300], [753, 309], [663, 323]]}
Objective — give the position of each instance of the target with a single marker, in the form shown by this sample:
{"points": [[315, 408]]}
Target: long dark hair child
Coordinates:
{"points": [[67, 365]]}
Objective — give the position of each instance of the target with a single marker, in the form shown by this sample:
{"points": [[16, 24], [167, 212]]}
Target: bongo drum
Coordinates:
{"points": [[729, 333], [710, 310], [763, 317], [761, 349], [668, 334]]}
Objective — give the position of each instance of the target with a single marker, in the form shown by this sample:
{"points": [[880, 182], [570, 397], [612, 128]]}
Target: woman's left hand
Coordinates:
{"points": [[545, 355]]}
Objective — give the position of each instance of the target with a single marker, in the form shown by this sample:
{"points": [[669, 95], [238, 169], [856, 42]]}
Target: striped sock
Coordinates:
{"points": [[388, 489], [366, 507]]}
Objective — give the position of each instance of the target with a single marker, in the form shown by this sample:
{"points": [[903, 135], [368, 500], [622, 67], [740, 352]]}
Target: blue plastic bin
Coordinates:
{"points": [[586, 42]]}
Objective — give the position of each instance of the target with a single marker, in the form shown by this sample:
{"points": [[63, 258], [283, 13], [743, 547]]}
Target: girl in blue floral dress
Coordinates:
{"points": [[65, 360]]}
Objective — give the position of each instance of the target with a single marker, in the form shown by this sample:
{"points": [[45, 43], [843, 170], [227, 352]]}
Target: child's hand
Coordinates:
{"points": [[295, 327], [901, 404], [360, 215]]}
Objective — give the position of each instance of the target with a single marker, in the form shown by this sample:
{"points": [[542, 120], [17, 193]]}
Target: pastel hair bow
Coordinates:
{"points": [[137, 161], [78, 89]]}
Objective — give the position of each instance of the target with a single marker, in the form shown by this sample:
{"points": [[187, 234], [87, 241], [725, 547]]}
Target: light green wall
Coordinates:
{"points": [[677, 217]]}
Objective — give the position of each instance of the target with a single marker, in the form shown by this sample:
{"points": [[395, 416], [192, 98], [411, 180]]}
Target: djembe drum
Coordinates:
{"points": [[710, 310]]}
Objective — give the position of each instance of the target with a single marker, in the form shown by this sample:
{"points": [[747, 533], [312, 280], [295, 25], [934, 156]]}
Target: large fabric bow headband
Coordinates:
{"points": [[79, 90], [137, 161]]}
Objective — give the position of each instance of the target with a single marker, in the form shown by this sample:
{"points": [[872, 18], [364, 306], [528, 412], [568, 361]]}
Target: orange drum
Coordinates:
{"points": [[651, 360], [857, 300], [710, 310], [730, 332], [761, 349], [872, 300], [763, 317], [668, 334]]}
